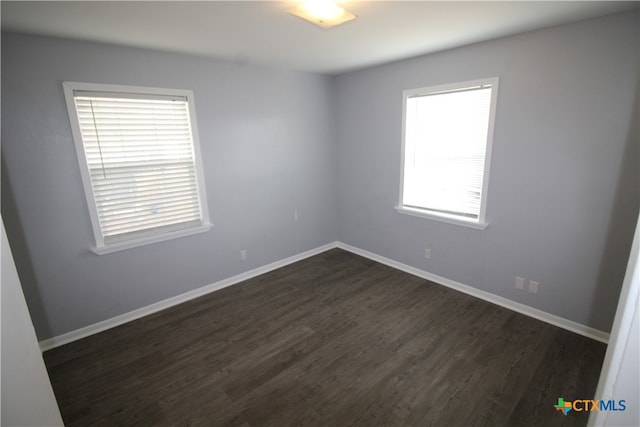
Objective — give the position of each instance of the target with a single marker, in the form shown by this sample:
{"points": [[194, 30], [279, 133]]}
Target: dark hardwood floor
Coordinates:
{"points": [[333, 340]]}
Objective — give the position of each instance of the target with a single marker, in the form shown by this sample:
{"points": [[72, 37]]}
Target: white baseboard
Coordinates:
{"points": [[86, 331], [552, 319]]}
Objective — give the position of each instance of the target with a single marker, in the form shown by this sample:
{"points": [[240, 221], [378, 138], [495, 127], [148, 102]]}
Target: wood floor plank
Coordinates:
{"points": [[335, 339]]}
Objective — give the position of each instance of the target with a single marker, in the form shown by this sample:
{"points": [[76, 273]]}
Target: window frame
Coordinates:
{"points": [[479, 223], [100, 246]]}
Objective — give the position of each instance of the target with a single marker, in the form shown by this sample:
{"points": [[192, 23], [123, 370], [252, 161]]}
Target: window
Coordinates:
{"points": [[446, 151], [140, 163]]}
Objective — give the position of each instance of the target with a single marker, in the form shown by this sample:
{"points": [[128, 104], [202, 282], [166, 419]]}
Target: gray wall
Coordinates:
{"points": [[563, 192], [267, 145], [27, 396]]}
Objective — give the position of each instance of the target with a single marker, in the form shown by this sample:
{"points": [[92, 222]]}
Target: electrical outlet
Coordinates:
{"points": [[243, 254], [427, 253], [533, 287], [295, 214], [520, 283]]}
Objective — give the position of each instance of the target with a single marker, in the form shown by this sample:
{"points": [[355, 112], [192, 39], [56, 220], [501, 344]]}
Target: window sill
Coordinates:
{"points": [[127, 244], [449, 219]]}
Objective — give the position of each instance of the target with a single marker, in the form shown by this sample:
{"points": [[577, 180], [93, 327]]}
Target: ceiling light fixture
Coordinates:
{"points": [[323, 13]]}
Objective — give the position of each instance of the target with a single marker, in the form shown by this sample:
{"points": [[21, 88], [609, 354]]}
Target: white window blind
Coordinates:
{"points": [[446, 142], [141, 162]]}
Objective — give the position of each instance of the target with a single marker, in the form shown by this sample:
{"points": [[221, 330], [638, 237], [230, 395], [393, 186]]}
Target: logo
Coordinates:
{"points": [[563, 406], [586, 405]]}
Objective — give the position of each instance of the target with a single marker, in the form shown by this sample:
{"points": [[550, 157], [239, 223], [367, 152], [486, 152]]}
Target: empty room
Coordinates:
{"points": [[287, 213]]}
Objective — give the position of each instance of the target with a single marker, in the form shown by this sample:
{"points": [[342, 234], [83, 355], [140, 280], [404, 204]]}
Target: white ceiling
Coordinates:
{"points": [[261, 32]]}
